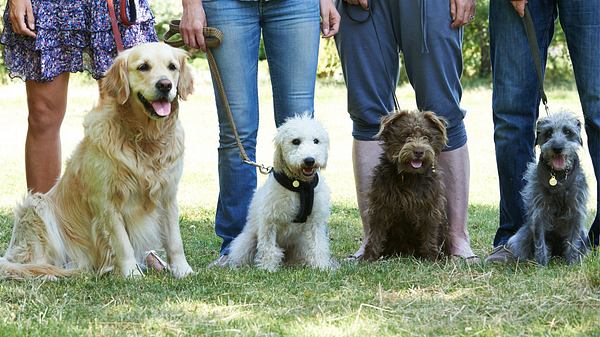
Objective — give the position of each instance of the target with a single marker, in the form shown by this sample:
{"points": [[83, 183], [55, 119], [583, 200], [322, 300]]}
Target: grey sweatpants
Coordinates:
{"points": [[369, 43]]}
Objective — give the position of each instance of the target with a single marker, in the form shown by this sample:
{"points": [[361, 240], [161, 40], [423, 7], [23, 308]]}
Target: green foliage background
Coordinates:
{"points": [[475, 48]]}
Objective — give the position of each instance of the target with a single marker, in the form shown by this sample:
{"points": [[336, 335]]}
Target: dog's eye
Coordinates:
{"points": [[548, 133], [143, 67], [316, 141], [172, 67], [296, 141], [567, 132]]}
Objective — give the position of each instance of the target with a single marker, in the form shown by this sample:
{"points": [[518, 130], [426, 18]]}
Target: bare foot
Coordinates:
{"points": [[461, 249]]}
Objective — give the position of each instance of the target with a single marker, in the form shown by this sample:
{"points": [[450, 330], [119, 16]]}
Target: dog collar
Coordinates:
{"points": [[553, 181], [306, 191]]}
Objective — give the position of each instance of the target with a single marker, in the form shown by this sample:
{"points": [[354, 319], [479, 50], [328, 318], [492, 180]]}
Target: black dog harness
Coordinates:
{"points": [[306, 190]]}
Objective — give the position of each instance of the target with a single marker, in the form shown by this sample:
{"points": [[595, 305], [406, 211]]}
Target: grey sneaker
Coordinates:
{"points": [[501, 254], [220, 262]]}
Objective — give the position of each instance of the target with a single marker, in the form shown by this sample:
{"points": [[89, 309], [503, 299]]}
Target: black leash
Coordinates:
{"points": [[535, 52]]}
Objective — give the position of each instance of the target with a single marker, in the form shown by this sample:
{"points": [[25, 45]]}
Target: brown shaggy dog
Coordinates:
{"points": [[407, 207], [118, 195]]}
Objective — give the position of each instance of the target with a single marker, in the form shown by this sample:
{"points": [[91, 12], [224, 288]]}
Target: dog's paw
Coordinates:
{"points": [[334, 264], [49, 278], [327, 263], [131, 271], [269, 260], [181, 270], [268, 267], [542, 260]]}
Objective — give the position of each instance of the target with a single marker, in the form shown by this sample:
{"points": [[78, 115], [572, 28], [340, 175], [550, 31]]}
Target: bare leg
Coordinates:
{"points": [[455, 165], [47, 103], [365, 156]]}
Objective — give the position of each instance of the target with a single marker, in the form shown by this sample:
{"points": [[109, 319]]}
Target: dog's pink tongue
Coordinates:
{"points": [[162, 108], [559, 163], [416, 164]]}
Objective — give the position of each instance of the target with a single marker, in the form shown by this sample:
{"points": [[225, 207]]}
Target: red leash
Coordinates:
{"points": [[124, 20]]}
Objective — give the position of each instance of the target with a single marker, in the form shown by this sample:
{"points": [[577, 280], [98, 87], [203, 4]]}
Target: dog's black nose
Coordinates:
{"points": [[557, 148], [164, 86], [309, 161], [418, 153]]}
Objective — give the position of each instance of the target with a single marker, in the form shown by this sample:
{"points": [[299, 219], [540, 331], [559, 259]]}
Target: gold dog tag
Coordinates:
{"points": [[552, 181], [296, 183]]}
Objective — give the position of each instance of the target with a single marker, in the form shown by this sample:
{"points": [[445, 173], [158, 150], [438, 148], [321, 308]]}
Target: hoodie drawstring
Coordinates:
{"points": [[424, 46]]}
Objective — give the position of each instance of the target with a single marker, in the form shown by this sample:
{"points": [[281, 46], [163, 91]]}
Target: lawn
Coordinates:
{"points": [[394, 297]]}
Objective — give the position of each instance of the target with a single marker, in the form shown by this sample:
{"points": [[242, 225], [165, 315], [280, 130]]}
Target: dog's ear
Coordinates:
{"points": [[185, 86], [278, 160], [116, 81], [439, 123], [538, 130], [387, 121]]}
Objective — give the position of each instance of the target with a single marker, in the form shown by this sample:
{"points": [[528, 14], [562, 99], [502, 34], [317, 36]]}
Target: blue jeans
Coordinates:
{"points": [[290, 31], [516, 97]]}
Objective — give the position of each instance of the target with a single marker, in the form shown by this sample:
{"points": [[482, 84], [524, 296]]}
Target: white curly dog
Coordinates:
{"points": [[288, 215]]}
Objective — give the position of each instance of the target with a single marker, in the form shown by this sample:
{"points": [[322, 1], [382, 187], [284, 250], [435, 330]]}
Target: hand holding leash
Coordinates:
{"points": [[212, 36], [519, 6], [192, 23]]}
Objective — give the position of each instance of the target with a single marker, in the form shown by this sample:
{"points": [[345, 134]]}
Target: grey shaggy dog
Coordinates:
{"points": [[554, 196]]}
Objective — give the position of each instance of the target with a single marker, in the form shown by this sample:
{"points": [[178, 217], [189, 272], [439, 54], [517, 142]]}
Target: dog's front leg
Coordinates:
{"points": [[268, 254], [124, 253], [375, 239], [178, 264], [317, 254], [541, 251], [575, 247], [430, 247]]}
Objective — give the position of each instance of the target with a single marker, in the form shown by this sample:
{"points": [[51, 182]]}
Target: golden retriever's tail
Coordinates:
{"points": [[17, 271]]}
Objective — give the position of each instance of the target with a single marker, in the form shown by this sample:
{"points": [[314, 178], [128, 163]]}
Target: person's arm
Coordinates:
{"points": [[462, 12], [519, 6], [330, 18], [21, 17], [193, 20]]}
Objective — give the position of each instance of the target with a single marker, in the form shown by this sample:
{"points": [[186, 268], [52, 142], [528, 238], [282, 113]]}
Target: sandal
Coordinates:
{"points": [[470, 260], [153, 262]]}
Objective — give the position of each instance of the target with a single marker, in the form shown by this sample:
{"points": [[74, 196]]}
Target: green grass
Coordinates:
{"points": [[394, 297]]}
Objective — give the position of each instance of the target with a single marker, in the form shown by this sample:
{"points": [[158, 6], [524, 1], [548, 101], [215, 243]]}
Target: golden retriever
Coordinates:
{"points": [[118, 195]]}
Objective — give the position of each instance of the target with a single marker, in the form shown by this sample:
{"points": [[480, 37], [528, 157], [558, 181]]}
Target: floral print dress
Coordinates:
{"points": [[72, 36]]}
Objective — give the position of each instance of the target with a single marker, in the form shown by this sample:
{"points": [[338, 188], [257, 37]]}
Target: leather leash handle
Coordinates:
{"points": [[212, 36], [535, 52]]}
